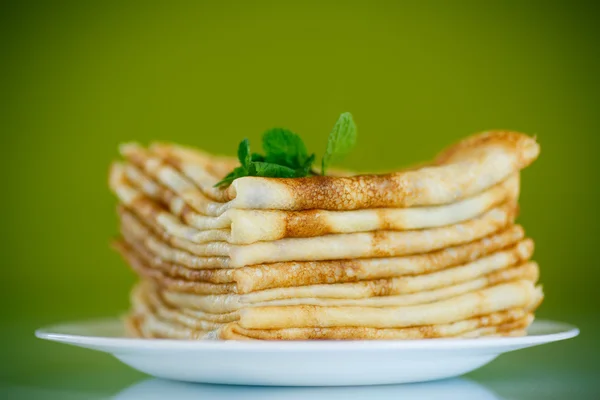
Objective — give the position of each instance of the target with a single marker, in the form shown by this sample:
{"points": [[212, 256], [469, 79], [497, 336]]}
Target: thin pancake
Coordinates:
{"points": [[136, 179], [378, 293], [204, 169], [287, 274], [397, 285], [331, 247], [463, 170], [171, 178], [249, 226], [218, 275], [147, 301], [138, 266], [491, 157], [519, 294], [235, 331], [508, 322], [151, 291]]}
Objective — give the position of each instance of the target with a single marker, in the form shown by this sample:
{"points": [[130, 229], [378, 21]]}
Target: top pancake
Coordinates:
{"points": [[463, 170]]}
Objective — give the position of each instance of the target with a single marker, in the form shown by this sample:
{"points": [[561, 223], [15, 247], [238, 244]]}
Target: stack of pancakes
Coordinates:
{"points": [[427, 252]]}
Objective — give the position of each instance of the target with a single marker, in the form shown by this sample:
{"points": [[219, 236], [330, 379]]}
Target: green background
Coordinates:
{"points": [[78, 78]]}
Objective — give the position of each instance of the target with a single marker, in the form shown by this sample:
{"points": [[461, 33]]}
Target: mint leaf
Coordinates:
{"points": [[233, 175], [341, 140], [286, 155], [244, 153], [305, 169], [270, 170], [284, 147], [257, 157]]}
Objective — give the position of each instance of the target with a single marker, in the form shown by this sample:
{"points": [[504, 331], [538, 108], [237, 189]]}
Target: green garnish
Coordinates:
{"points": [[342, 139], [286, 155]]}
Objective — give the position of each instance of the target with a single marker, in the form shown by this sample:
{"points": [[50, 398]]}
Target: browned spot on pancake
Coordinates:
{"points": [[514, 325], [380, 287], [301, 273], [308, 223], [378, 238], [428, 331], [346, 193], [384, 223]]}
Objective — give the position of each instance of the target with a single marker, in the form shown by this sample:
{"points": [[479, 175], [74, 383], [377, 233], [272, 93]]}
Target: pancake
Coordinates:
{"points": [[286, 274], [136, 179], [171, 178], [491, 157], [510, 320], [328, 247], [369, 293], [152, 318], [200, 167], [516, 294], [249, 226], [129, 245], [149, 293], [397, 285], [137, 265], [507, 323], [144, 302], [460, 172]]}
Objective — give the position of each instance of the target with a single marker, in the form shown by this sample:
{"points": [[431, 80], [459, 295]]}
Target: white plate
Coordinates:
{"points": [[307, 363]]}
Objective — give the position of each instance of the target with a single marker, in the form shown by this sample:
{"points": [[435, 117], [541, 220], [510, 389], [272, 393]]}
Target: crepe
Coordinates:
{"points": [[520, 252], [329, 247], [286, 274], [150, 293], [461, 171], [129, 247], [516, 294], [137, 264], [249, 226], [491, 157], [202, 168], [158, 320], [378, 293], [495, 323], [147, 301], [508, 323], [146, 321]]}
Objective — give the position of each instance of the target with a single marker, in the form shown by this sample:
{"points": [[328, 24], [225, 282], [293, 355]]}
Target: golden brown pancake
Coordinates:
{"points": [[151, 203]]}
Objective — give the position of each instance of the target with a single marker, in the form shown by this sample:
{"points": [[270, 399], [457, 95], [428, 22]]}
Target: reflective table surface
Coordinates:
{"points": [[35, 369]]}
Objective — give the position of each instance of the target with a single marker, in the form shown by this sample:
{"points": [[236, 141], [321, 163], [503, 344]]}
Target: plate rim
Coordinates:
{"points": [[565, 331]]}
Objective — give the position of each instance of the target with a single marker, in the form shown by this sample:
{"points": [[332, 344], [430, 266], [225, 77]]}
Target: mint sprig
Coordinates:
{"points": [[342, 139], [286, 155]]}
